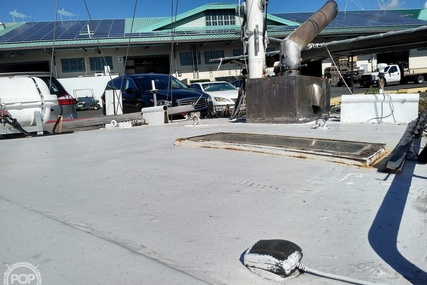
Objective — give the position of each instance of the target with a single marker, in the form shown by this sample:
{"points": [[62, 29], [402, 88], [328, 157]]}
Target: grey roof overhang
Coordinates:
{"points": [[340, 42], [376, 43], [359, 45], [122, 42]]}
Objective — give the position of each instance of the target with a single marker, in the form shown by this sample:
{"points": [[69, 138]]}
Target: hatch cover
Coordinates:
{"points": [[350, 152]]}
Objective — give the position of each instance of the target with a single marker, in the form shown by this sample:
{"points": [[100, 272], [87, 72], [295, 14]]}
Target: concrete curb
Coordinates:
{"points": [[92, 123]]}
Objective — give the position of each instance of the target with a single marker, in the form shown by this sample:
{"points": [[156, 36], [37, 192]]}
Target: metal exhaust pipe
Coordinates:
{"points": [[293, 44]]}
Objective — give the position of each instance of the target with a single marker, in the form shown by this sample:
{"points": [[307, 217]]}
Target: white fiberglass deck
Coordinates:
{"points": [[126, 206]]}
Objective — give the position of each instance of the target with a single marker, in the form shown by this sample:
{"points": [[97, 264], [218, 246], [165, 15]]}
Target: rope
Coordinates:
{"points": [[304, 268], [332, 60], [100, 47], [53, 60], [390, 102], [172, 54], [43, 106]]}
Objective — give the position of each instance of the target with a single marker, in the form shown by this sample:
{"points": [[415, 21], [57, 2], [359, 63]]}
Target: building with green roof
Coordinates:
{"points": [[183, 45]]}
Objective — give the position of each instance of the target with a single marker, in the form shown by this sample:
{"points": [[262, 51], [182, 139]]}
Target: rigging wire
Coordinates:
{"points": [[355, 2], [129, 41], [264, 35], [91, 25], [53, 60], [333, 62], [53, 66], [385, 95], [127, 49], [244, 36], [172, 51], [173, 20], [306, 269]]}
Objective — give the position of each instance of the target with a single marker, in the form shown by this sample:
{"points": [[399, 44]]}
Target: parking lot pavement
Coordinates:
{"points": [[127, 206]]}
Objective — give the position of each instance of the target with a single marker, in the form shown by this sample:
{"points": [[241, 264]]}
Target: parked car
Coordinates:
{"points": [[87, 103], [222, 94], [25, 104], [66, 103], [237, 83], [137, 92]]}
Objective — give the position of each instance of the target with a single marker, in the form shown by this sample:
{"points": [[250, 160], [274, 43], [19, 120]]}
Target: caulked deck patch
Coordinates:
{"points": [[349, 152]]}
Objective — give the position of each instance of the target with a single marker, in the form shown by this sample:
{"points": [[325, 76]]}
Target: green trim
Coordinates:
{"points": [[422, 15], [282, 21], [140, 23]]}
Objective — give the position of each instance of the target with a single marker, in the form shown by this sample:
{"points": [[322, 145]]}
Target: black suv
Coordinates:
{"points": [[137, 92]]}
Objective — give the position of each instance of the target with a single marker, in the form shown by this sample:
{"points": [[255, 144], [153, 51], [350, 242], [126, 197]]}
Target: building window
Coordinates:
{"points": [[73, 64], [98, 63], [213, 54], [220, 18], [237, 52], [190, 58]]}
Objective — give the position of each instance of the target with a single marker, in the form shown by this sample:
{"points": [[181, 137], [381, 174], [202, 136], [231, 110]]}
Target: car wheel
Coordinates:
{"points": [[419, 79], [96, 107]]}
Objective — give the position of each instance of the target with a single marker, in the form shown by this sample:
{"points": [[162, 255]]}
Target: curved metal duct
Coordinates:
{"points": [[293, 44]]}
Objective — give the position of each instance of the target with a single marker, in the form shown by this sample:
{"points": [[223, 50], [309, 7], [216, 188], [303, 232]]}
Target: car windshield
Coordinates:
{"points": [[161, 82], [218, 86]]}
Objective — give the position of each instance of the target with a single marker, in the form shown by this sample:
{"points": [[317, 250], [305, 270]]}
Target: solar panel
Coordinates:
{"points": [[21, 33], [66, 30], [359, 19], [39, 31], [115, 28], [70, 30]]}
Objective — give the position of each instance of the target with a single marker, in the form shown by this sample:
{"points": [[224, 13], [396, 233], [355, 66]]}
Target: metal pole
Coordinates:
{"points": [[154, 91], [256, 51], [351, 73]]}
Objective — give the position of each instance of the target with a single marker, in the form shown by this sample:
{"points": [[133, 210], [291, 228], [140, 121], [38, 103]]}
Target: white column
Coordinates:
{"points": [[255, 26]]}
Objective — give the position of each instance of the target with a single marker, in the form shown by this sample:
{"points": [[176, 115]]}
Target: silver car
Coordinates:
{"points": [[222, 95]]}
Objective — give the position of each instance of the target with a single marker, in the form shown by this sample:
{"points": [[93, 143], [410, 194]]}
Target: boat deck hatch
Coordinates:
{"points": [[358, 153]]}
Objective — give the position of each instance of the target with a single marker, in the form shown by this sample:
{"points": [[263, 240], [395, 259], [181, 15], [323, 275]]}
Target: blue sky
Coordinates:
{"points": [[44, 10]]}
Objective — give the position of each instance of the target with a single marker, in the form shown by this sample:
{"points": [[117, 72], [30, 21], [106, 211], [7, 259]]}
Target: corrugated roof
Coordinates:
{"points": [[140, 23], [333, 30], [360, 18], [274, 18], [423, 15], [159, 30], [185, 15]]}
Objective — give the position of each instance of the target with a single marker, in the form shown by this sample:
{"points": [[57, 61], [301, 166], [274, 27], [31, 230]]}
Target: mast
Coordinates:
{"points": [[255, 32]]}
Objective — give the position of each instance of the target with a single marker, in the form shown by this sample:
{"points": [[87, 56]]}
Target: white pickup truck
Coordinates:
{"points": [[393, 74]]}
